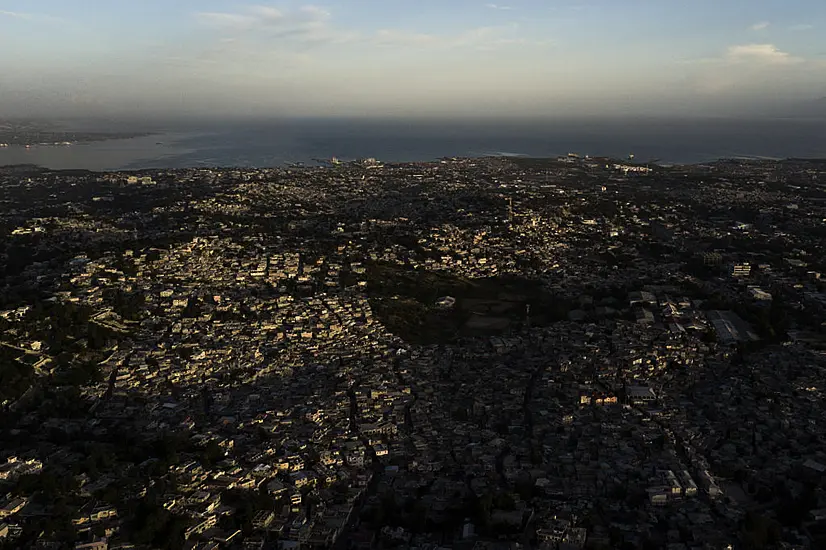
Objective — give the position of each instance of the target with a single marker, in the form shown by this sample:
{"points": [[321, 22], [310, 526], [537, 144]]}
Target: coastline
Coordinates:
{"points": [[27, 144], [319, 166], [293, 144]]}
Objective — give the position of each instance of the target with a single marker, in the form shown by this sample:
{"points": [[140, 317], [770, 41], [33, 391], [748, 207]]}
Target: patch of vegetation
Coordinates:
{"points": [[404, 299]]}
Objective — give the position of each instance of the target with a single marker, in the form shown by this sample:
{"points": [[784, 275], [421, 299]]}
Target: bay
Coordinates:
{"points": [[268, 144]]}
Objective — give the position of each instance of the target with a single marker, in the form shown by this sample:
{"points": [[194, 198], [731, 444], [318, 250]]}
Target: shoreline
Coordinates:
{"points": [[513, 158], [70, 142], [277, 145]]}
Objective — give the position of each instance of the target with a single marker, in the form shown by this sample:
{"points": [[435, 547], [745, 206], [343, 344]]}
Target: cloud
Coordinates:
{"points": [[311, 26], [34, 18], [753, 55], [15, 14], [226, 21], [261, 17], [752, 70], [316, 12], [763, 25], [479, 38], [498, 7], [760, 53], [394, 37], [307, 25], [264, 14]]}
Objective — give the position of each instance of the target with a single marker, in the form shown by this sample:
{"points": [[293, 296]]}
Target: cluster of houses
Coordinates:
{"points": [[233, 382]]}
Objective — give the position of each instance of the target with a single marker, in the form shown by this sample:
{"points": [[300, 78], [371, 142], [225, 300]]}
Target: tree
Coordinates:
{"points": [[759, 532]]}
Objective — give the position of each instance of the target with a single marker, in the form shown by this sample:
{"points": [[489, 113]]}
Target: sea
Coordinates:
{"points": [[280, 143]]}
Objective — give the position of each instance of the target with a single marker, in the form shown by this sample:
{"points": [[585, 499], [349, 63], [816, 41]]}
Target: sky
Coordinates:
{"points": [[408, 58]]}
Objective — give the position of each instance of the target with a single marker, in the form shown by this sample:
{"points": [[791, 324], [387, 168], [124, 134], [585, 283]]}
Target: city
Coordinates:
{"points": [[491, 353]]}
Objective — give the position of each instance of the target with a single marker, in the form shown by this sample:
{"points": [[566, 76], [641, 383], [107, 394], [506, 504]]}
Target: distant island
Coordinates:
{"points": [[31, 134]]}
